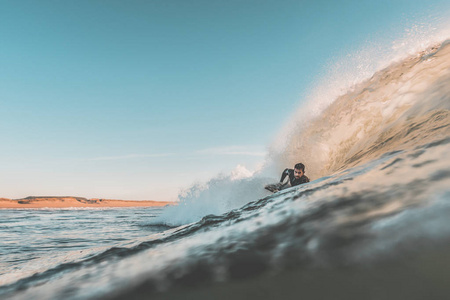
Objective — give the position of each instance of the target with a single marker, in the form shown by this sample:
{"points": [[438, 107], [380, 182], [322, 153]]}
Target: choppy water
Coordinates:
{"points": [[36, 240], [372, 224]]}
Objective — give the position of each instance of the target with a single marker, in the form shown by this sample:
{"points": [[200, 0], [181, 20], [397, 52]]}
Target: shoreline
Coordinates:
{"points": [[69, 202]]}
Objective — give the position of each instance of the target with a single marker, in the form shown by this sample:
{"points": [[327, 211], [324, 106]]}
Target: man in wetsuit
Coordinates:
{"points": [[296, 176]]}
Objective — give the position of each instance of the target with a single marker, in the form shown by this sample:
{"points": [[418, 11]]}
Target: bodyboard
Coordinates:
{"points": [[274, 187]]}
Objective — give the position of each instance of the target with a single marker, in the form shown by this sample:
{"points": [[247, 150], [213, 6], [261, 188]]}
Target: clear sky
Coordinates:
{"points": [[137, 99]]}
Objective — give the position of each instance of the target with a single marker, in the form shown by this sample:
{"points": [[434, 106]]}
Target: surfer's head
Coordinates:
{"points": [[299, 170]]}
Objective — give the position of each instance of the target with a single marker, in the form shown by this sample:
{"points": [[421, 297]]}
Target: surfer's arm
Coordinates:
{"points": [[284, 175]]}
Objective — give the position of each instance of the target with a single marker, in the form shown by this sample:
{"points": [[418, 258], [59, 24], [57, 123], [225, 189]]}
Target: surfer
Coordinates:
{"points": [[295, 177]]}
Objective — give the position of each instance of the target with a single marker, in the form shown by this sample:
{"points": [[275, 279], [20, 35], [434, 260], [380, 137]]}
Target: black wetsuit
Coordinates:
{"points": [[292, 180]]}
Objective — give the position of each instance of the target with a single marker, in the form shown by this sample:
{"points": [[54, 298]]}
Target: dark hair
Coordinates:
{"points": [[300, 166]]}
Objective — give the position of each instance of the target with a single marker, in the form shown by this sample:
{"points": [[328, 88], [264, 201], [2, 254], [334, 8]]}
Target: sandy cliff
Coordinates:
{"points": [[68, 201]]}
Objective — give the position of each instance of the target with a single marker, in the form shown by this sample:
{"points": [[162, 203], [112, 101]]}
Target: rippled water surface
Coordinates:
{"points": [[34, 240]]}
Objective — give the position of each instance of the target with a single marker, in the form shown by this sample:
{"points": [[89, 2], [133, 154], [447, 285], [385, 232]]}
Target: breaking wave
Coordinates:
{"points": [[363, 109], [401, 106]]}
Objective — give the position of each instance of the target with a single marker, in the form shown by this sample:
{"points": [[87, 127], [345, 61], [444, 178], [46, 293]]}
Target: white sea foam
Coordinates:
{"points": [[217, 196]]}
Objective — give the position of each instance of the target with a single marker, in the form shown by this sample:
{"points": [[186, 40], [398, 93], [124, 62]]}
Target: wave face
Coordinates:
{"points": [[402, 106], [372, 225]]}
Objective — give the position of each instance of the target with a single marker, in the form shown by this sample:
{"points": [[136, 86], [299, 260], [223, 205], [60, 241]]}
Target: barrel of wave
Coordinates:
{"points": [[399, 107]]}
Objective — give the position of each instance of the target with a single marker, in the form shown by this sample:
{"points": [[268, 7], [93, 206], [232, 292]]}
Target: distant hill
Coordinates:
{"points": [[70, 201]]}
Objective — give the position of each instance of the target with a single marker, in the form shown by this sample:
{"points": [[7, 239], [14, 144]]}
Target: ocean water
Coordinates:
{"points": [[36, 240], [372, 224]]}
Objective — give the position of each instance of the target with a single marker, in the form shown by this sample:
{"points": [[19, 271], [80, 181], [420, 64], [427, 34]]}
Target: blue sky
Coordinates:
{"points": [[137, 99]]}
